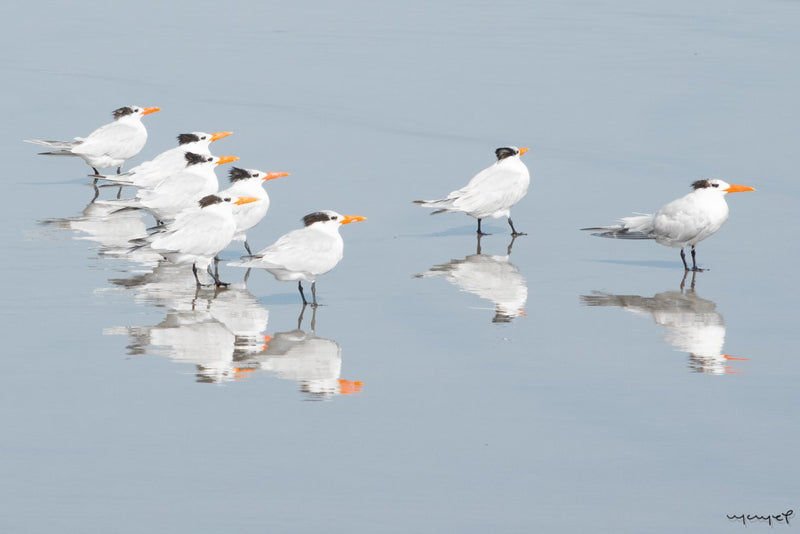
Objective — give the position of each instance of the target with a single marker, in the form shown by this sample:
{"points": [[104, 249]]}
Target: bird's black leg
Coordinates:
{"points": [[216, 267], [478, 250], [314, 294], [194, 270], [479, 228], [119, 170], [302, 296], [247, 274], [119, 193], [514, 230], [215, 276], [313, 319], [96, 192], [247, 246], [683, 257], [300, 317], [695, 268]]}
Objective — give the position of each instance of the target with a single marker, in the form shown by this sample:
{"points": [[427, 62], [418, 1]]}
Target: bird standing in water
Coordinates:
{"points": [[110, 145], [491, 192], [306, 253], [683, 222]]}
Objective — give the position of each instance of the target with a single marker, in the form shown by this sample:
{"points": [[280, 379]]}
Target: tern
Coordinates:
{"points": [[306, 253], [196, 236], [491, 192], [149, 174], [179, 191], [247, 182], [110, 145], [683, 222]]}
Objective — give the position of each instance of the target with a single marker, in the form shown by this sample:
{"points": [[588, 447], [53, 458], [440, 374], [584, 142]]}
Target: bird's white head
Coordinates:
{"points": [[237, 174], [199, 159], [509, 151], [330, 219], [133, 111], [720, 186], [214, 200], [201, 137]]}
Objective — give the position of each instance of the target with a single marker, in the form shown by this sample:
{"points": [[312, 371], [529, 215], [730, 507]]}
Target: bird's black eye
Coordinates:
{"points": [[254, 175], [227, 199], [714, 185], [334, 218], [203, 137], [210, 159]]}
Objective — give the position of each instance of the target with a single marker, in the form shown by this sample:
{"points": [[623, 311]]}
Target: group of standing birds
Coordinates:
{"points": [[684, 222], [196, 221]]}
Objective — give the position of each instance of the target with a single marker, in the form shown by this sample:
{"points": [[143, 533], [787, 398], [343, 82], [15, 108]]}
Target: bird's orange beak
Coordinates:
{"points": [[347, 219], [348, 387], [523, 150], [148, 111], [739, 188], [216, 136], [227, 159], [273, 175], [246, 200], [729, 357]]}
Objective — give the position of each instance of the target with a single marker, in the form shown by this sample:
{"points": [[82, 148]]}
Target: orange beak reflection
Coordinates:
{"points": [[216, 136], [348, 387], [245, 200], [523, 150], [735, 358], [738, 188], [227, 159], [148, 111], [347, 219], [273, 175]]}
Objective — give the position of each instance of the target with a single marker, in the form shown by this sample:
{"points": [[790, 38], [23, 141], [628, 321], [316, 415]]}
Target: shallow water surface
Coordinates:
{"points": [[554, 382]]}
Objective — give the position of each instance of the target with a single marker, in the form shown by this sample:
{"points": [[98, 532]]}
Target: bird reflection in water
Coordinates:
{"points": [[491, 277], [692, 324], [208, 328], [111, 228], [304, 357]]}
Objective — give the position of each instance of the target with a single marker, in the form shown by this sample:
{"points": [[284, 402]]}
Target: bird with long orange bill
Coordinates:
{"points": [[179, 191], [197, 235], [492, 192], [108, 146], [149, 174], [248, 182], [306, 253], [681, 223]]}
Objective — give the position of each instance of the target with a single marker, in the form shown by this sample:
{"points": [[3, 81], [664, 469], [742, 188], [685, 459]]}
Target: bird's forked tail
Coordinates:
{"points": [[444, 204], [634, 227]]}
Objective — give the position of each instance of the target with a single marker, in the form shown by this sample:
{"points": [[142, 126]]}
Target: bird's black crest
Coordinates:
{"points": [[187, 138], [208, 200], [505, 152], [121, 112], [236, 174], [192, 158], [317, 216], [701, 184]]}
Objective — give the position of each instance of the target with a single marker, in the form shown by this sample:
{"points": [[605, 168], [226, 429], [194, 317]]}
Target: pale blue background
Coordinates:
{"points": [[572, 419]]}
